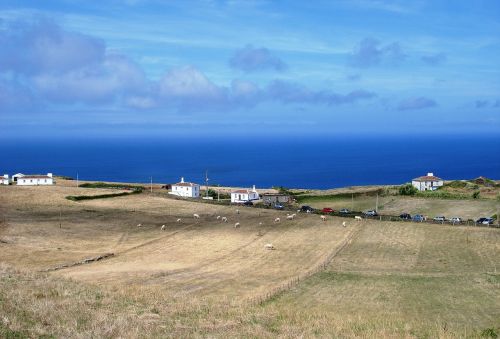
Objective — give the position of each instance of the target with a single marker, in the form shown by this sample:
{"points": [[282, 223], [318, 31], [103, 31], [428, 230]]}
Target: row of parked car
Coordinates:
{"points": [[407, 216]]}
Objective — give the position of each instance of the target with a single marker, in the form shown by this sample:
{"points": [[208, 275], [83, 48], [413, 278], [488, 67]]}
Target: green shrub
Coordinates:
{"points": [[407, 189], [475, 195], [456, 184], [101, 196], [112, 185]]}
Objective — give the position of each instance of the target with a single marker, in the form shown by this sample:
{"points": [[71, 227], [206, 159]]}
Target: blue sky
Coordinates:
{"points": [[140, 67]]}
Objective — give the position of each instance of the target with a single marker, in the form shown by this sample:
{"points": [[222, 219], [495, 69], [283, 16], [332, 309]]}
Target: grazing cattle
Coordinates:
{"points": [[358, 218], [323, 218], [277, 220], [344, 224], [196, 216], [237, 225], [179, 220], [224, 219], [163, 227], [218, 217], [269, 246], [290, 217], [139, 225]]}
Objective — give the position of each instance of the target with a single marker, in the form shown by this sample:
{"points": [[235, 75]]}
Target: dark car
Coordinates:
{"points": [[405, 216], [248, 203], [344, 211], [279, 206], [370, 213], [306, 208], [327, 210], [418, 218], [484, 221]]}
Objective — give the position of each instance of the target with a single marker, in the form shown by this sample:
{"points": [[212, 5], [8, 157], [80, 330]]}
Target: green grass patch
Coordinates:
{"points": [[112, 185], [442, 195], [101, 196]]}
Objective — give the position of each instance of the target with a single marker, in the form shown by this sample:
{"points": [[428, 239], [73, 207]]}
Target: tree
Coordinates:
{"points": [[407, 189]]}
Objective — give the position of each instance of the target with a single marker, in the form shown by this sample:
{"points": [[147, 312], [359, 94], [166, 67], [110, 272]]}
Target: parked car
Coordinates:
{"points": [[306, 208], [405, 216], [370, 213], [439, 218], [418, 218], [484, 221], [456, 220], [327, 210], [248, 203], [279, 206], [345, 211]]}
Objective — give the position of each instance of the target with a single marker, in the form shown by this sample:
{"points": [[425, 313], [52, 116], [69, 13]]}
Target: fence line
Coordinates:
{"points": [[292, 282]]}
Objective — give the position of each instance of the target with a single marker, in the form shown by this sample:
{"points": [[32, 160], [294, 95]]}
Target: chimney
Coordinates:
{"points": [[430, 174], [6, 176], [253, 189], [182, 179], [49, 175]]}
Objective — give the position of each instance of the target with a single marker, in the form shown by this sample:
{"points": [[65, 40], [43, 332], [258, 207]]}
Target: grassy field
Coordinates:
{"points": [[201, 277], [395, 205]]}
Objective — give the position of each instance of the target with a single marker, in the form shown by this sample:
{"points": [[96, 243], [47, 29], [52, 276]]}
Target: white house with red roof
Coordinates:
{"points": [[242, 195], [427, 182], [34, 180], [185, 189]]}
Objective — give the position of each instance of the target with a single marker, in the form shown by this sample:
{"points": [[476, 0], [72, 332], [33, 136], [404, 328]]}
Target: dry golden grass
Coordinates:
{"points": [[196, 277]]}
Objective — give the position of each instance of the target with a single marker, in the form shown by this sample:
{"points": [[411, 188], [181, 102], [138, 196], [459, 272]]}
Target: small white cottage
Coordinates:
{"points": [[240, 196], [186, 189], [4, 180], [427, 182], [35, 180]]}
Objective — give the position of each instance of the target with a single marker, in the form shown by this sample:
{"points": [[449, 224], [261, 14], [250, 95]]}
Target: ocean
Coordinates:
{"points": [[268, 161]]}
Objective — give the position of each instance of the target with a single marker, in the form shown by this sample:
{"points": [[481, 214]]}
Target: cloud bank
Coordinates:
{"points": [[370, 52], [250, 59], [416, 104]]}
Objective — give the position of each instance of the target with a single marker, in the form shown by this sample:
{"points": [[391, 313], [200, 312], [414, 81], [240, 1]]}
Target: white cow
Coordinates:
{"points": [[179, 220], [196, 216], [237, 225], [357, 218], [163, 227], [218, 217]]}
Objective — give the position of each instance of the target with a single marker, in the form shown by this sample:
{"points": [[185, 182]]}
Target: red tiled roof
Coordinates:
{"points": [[241, 191], [185, 184], [427, 178]]}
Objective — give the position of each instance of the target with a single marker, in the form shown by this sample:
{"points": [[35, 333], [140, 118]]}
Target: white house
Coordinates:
{"points": [[186, 189], [35, 180], [17, 176], [240, 196], [427, 182], [4, 180]]}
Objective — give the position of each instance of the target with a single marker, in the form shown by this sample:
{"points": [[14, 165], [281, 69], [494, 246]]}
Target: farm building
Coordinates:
{"points": [[35, 180], [427, 182], [242, 195], [185, 189], [17, 176], [4, 180], [275, 198]]}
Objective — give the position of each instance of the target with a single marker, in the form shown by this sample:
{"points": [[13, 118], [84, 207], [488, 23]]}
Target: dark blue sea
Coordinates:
{"points": [[269, 161]]}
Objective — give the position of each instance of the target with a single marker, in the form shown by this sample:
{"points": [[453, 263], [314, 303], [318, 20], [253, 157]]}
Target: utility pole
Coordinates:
{"points": [[352, 202], [151, 184], [206, 183], [376, 204], [218, 192], [77, 183]]}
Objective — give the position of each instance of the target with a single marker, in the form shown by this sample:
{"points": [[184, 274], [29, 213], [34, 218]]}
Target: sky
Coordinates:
{"points": [[248, 68]]}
